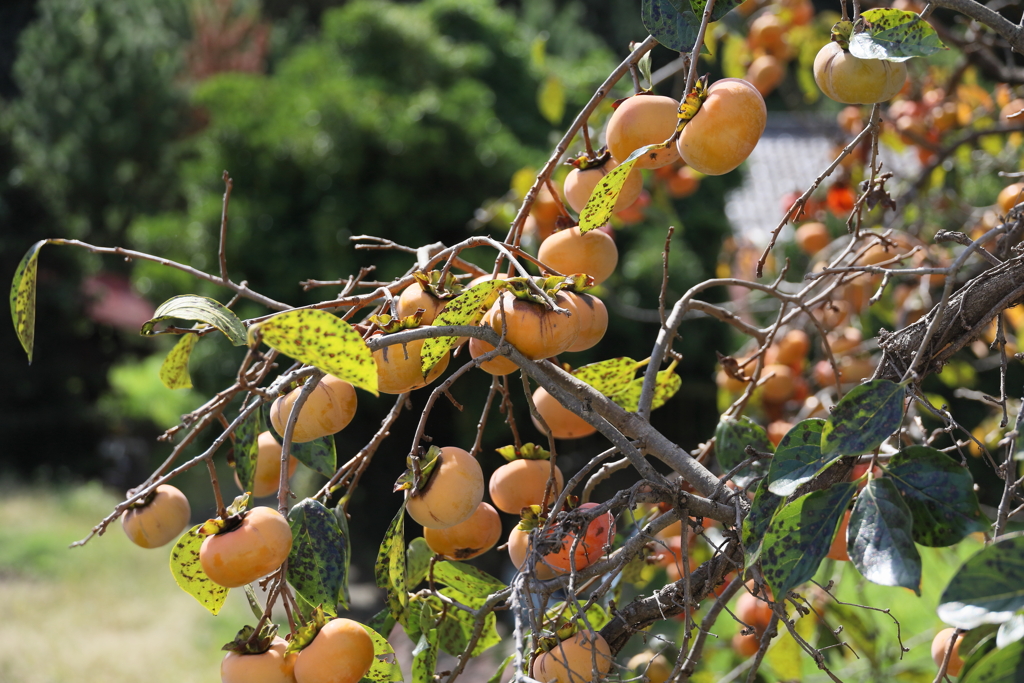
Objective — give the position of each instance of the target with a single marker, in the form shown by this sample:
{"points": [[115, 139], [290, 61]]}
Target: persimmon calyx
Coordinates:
{"points": [[841, 32], [432, 283], [528, 451], [235, 514], [531, 518], [585, 161], [691, 104], [305, 634], [248, 642], [420, 470], [389, 324]]}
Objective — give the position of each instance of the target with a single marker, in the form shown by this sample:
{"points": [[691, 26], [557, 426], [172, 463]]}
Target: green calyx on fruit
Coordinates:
{"points": [[585, 161], [248, 642], [417, 476], [432, 283], [690, 105], [305, 634], [531, 518], [841, 32], [527, 451], [389, 324]]}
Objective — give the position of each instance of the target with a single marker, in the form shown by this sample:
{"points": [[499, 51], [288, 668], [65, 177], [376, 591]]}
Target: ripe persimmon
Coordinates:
{"points": [[1010, 196], [569, 251], [940, 644], [472, 536], [580, 184], [518, 550], [267, 479], [573, 659], [499, 365], [746, 646], [765, 73], [272, 666], [253, 549], [563, 423], [812, 237], [538, 332], [342, 652], [838, 549], [768, 33], [639, 121], [521, 483], [599, 533], [593, 318], [452, 493], [753, 611], [656, 667], [327, 410], [398, 368], [725, 129], [851, 80], [793, 348], [160, 520], [415, 297], [684, 182]]}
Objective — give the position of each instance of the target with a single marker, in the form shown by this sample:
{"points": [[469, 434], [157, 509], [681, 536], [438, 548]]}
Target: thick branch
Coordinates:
{"points": [[1013, 33]]}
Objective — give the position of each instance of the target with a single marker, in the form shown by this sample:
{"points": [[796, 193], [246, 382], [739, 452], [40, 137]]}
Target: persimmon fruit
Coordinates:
{"points": [[812, 237], [746, 646], [327, 410], [639, 121], [267, 479], [598, 534], [160, 521], [452, 493], [656, 667], [414, 298], [838, 550], [398, 368], [253, 549], [342, 652], [535, 330], [1010, 196], [793, 347], [499, 365], [570, 251], [563, 423], [580, 184], [725, 129], [272, 666], [851, 80], [518, 550], [765, 73], [471, 537], [753, 611], [593, 320], [939, 646], [573, 659], [521, 483]]}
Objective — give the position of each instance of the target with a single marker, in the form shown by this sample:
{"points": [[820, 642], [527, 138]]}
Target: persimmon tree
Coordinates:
{"points": [[788, 481]]}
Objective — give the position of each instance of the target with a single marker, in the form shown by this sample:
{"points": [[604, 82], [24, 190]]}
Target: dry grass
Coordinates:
{"points": [[105, 613]]}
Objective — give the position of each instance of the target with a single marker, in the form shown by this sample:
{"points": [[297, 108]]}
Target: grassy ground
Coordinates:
{"points": [[107, 612]]}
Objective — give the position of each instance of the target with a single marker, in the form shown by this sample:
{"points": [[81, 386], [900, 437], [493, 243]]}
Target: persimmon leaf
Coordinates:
{"points": [[893, 35], [465, 309], [602, 200], [988, 588], [23, 298], [246, 448], [755, 524], [672, 22], [666, 384], [319, 455], [721, 8], [424, 657], [322, 340], [417, 560], [385, 668], [316, 564], [940, 495], [608, 376], [390, 568], [731, 440], [863, 419], [174, 369], [880, 537], [189, 575], [797, 458], [551, 99], [800, 535], [201, 309], [467, 579], [999, 666]]}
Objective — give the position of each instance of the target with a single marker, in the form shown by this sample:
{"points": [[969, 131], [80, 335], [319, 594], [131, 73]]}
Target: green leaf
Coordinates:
{"points": [[731, 440], [201, 309], [467, 579], [456, 628], [939, 493], [319, 455], [1010, 631], [189, 574], [382, 621], [23, 298], [608, 376], [496, 678], [755, 524], [346, 555], [798, 458], [988, 588], [675, 26], [551, 99], [721, 8], [322, 340], [247, 448], [424, 657], [800, 535], [465, 309], [597, 616], [880, 538], [999, 666], [863, 419], [602, 200], [174, 370], [417, 561], [666, 384], [389, 570], [316, 564], [385, 667], [893, 35]]}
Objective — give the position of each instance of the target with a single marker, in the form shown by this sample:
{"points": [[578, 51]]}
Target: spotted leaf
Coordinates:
{"points": [[666, 384], [319, 455], [390, 569], [988, 588], [200, 309], [939, 493], [189, 575], [174, 369], [385, 668], [998, 666], [424, 657], [608, 376], [467, 579], [322, 340], [731, 440], [800, 535], [721, 8], [316, 564], [755, 524], [465, 309], [246, 449], [602, 200], [23, 298], [672, 22], [797, 458], [880, 537], [893, 35], [863, 419]]}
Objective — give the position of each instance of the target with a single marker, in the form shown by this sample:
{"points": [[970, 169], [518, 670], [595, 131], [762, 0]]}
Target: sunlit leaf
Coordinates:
{"points": [[247, 449], [800, 535], [667, 384], [174, 369], [1010, 631], [881, 544], [599, 207], [863, 419], [999, 666], [467, 579], [551, 99], [608, 376], [385, 667], [894, 35], [316, 564], [322, 340], [424, 657], [465, 309], [417, 561], [797, 458], [496, 678], [940, 495], [23, 298], [189, 575], [731, 440], [319, 455], [755, 524], [721, 8], [200, 309], [672, 22], [988, 588], [389, 570]]}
